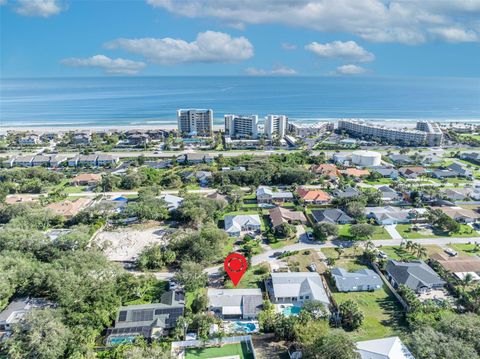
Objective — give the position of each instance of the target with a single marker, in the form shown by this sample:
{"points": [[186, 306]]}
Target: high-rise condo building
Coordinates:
{"points": [[276, 126], [425, 134], [237, 126], [195, 122]]}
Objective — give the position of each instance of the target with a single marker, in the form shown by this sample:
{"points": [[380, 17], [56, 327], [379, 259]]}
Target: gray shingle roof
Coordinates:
{"points": [[363, 279], [414, 274], [332, 216]]}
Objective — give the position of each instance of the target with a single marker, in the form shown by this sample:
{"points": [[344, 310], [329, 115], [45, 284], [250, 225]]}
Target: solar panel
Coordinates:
{"points": [[122, 316], [142, 315]]}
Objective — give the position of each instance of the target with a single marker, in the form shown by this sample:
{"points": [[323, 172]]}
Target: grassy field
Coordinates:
{"points": [[253, 278], [380, 232], [349, 260], [226, 351], [465, 231], [383, 314], [466, 248], [283, 242], [400, 253], [301, 260]]}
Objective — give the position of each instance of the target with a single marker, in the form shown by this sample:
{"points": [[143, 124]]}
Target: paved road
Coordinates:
{"points": [[392, 231]]}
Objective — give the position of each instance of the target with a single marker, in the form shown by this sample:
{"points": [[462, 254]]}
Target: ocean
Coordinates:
{"points": [[131, 101]]}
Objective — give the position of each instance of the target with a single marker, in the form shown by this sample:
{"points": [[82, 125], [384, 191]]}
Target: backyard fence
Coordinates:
{"points": [[404, 304]]}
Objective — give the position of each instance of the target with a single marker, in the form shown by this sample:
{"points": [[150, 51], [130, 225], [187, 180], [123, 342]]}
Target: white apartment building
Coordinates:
{"points": [[237, 126], [275, 126], [196, 122], [305, 130], [425, 134]]}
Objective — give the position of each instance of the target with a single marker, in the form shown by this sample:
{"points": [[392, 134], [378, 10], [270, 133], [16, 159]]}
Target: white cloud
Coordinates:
{"points": [[348, 50], [401, 21], [455, 34], [110, 66], [350, 70], [209, 46], [278, 70], [41, 8], [288, 46]]}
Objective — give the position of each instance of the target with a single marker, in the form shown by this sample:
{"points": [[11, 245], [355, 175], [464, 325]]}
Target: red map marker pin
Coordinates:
{"points": [[235, 265]]}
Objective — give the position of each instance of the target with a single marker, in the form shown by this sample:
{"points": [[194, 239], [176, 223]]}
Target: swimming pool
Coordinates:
{"points": [[121, 340], [245, 327], [291, 310]]}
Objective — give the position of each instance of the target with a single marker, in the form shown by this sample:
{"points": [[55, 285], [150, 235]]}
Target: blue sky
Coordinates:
{"points": [[240, 37]]}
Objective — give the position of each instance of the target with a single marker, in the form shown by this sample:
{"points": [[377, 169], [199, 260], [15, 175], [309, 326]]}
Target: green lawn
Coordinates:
{"points": [[228, 350], [400, 253], [466, 248], [380, 181], [253, 277], [349, 260], [405, 232], [283, 242], [380, 232], [383, 314]]}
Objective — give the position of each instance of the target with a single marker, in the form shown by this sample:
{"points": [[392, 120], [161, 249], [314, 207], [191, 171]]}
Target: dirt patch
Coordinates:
{"points": [[125, 244], [267, 348]]}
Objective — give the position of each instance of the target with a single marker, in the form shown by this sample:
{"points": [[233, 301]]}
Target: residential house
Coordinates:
{"points": [[235, 225], [460, 170], [326, 169], [348, 192], [400, 159], [388, 215], [296, 288], [316, 196], [471, 156], [41, 160], [334, 215], [355, 172], [57, 160], [235, 303], [385, 348], [360, 281], [86, 179], [386, 172], [389, 194], [342, 158], [17, 309], [268, 195], [150, 321], [138, 139], [195, 158], [203, 177], [69, 209], [280, 215], [460, 214], [440, 174], [29, 140], [9, 162], [24, 161], [459, 265], [87, 160], [431, 159], [412, 172], [456, 194], [73, 162], [105, 160], [159, 164], [82, 138], [416, 275], [173, 202]]}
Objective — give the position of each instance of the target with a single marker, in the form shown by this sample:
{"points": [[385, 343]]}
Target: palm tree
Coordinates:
{"points": [[340, 251], [421, 251], [467, 280], [409, 245], [369, 246]]}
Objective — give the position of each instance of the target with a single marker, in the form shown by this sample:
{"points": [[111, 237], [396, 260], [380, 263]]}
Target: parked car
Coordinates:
{"points": [[312, 267], [382, 254], [451, 252], [310, 235]]}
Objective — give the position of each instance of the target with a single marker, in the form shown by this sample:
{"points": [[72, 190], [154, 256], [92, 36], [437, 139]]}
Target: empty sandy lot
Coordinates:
{"points": [[125, 244]]}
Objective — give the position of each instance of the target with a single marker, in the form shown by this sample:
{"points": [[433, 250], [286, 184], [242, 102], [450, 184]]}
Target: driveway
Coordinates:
{"points": [[392, 231]]}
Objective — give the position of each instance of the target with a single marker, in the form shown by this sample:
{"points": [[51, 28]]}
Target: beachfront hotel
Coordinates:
{"points": [[195, 122], [425, 134], [276, 126], [237, 126]]}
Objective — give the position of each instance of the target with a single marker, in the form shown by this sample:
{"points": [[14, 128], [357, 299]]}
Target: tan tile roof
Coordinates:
{"points": [[279, 215], [457, 264], [69, 208]]}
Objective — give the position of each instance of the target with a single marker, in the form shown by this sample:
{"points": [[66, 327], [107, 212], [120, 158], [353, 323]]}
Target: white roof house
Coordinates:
{"points": [[173, 202], [267, 194], [297, 287], [238, 303], [234, 225], [386, 348]]}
